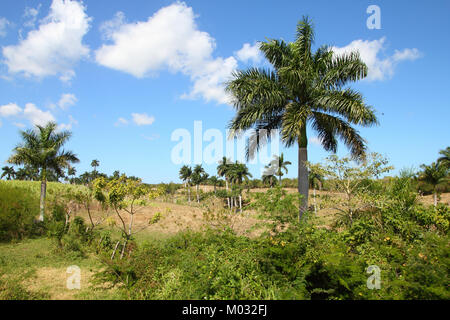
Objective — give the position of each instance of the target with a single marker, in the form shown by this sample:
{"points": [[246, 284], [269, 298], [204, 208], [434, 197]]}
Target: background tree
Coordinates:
{"points": [[223, 170], [214, 181], [8, 172], [185, 176], [304, 87], [435, 175], [94, 164], [27, 173], [269, 179], [71, 172], [445, 159], [42, 148], [239, 172], [198, 176], [277, 165]]}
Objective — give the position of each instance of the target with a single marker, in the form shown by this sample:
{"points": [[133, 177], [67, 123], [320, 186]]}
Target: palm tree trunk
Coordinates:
{"points": [[435, 198], [189, 193], [279, 178], [42, 200], [240, 203], [198, 199], [303, 184]]}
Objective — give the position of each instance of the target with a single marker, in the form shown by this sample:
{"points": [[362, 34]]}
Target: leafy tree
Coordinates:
{"points": [[435, 175], [42, 148], [350, 179], [277, 165], [186, 175], [8, 172], [303, 88], [123, 195], [198, 176]]}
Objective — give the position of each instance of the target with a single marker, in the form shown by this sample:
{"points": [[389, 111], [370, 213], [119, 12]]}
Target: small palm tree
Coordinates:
{"points": [[277, 165], [94, 164], [269, 178], [445, 159], [435, 175], [302, 88], [186, 175], [198, 176], [214, 181], [8, 172], [224, 168], [71, 172], [238, 173], [42, 148]]}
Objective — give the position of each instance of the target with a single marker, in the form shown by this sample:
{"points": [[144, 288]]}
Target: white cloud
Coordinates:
{"points": [[10, 109], [31, 15], [67, 100], [142, 119], [168, 40], [379, 67], [36, 116], [55, 47], [249, 53], [108, 28], [121, 122], [68, 126], [4, 23]]}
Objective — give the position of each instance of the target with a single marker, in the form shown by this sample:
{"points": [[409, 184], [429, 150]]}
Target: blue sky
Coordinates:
{"points": [[124, 75]]}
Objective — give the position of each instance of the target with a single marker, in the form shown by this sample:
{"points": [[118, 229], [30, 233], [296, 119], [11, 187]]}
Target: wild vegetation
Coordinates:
{"points": [[243, 237]]}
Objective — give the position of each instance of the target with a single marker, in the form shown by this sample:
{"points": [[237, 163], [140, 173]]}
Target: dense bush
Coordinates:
{"points": [[18, 211]]}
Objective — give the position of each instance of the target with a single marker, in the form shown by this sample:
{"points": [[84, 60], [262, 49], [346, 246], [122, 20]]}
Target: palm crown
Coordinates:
{"points": [[302, 88]]}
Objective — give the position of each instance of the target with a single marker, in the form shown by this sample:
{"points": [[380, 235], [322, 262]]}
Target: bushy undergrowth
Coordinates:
{"points": [[408, 241], [18, 210]]}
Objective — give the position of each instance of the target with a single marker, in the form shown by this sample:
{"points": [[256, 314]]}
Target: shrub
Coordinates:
{"points": [[18, 210]]}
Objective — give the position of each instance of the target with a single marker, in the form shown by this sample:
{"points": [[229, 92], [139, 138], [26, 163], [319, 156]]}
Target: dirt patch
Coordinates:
{"points": [[53, 281]]}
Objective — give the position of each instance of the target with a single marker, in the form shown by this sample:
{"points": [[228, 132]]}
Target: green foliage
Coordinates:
{"points": [[18, 211]]}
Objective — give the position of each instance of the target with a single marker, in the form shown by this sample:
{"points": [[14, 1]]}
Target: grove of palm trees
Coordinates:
{"points": [[297, 230]]}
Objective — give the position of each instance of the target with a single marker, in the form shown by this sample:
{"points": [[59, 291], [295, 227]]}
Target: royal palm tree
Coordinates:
{"points": [[277, 165], [445, 159], [185, 175], [304, 87], [94, 164], [435, 175], [42, 148], [27, 173], [8, 172]]}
